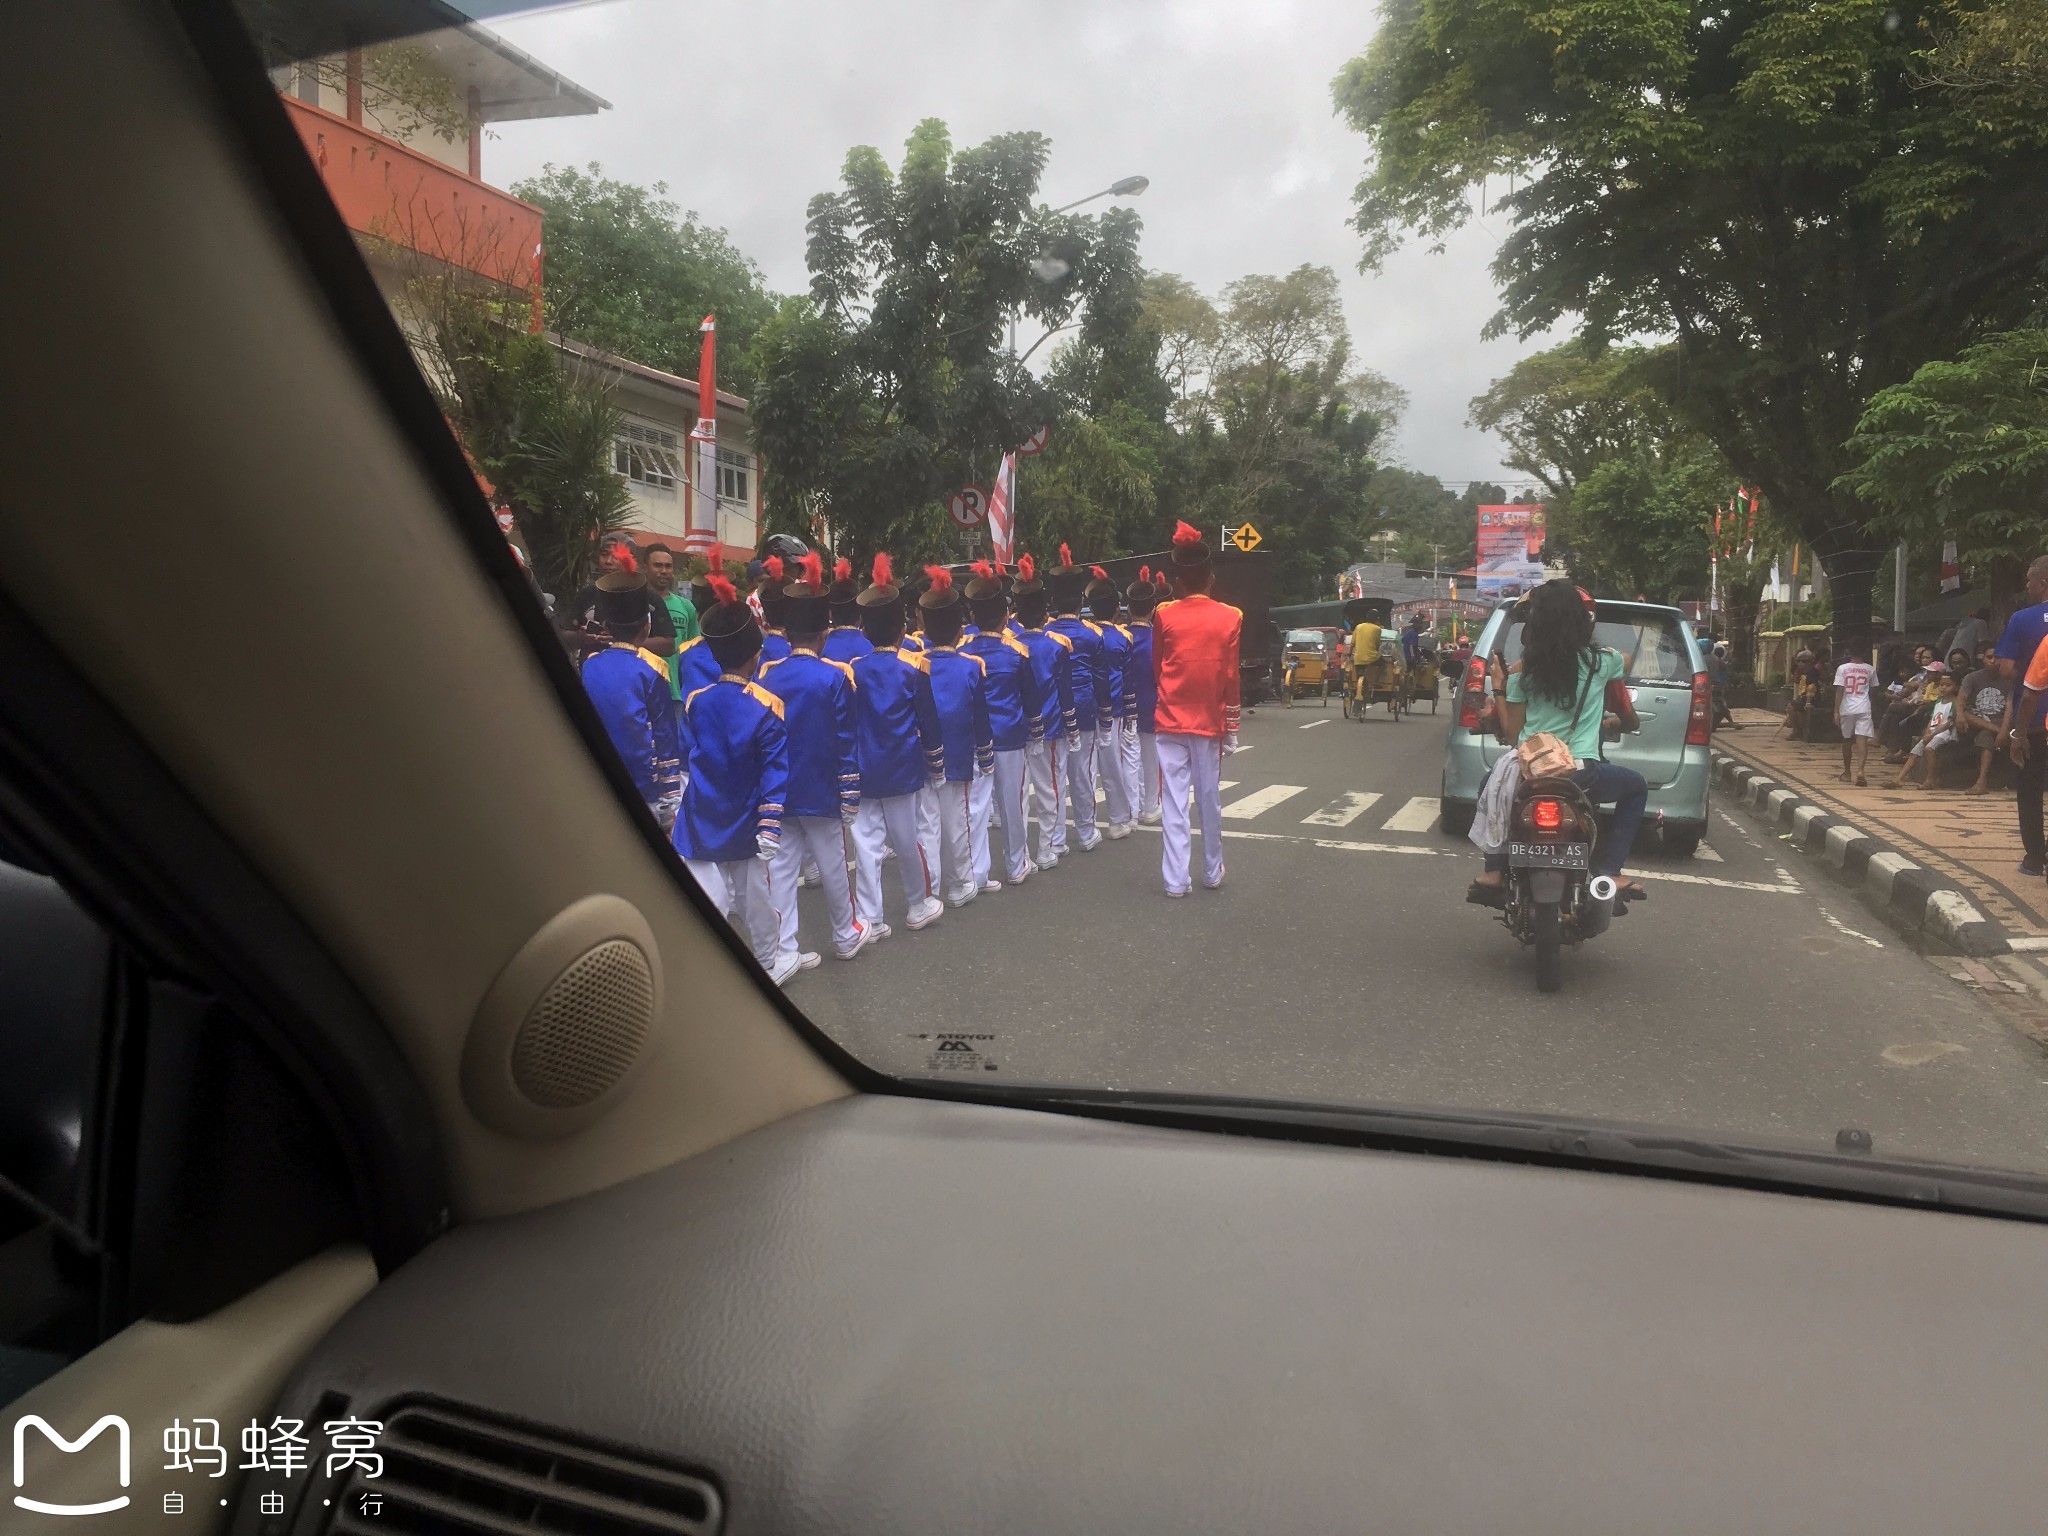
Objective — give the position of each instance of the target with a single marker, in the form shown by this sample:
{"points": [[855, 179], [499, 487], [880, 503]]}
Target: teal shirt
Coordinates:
{"points": [[1583, 734], [684, 612]]}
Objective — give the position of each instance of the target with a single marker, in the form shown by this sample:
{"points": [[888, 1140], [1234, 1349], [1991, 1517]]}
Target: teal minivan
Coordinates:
{"points": [[1666, 676]]}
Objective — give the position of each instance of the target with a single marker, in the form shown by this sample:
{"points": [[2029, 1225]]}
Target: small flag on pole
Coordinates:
{"points": [[1002, 512], [703, 521], [533, 322], [1951, 568]]}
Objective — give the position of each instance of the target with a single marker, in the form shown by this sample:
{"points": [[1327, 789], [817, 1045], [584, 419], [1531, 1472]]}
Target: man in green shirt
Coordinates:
{"points": [[661, 576]]}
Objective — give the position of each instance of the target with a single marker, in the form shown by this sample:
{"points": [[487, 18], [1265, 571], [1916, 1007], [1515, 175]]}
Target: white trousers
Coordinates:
{"points": [[981, 805], [821, 842], [739, 889], [1148, 773], [1042, 780], [897, 822], [1007, 794], [956, 837], [1080, 785], [1109, 772], [1190, 763]]}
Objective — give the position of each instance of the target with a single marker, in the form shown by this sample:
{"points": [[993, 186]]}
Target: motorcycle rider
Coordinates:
{"points": [[1561, 686]]}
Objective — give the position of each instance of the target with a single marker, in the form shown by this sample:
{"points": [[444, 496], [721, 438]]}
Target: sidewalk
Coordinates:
{"points": [[1973, 842]]}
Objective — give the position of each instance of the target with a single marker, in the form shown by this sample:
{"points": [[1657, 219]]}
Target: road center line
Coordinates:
{"points": [[1309, 727]]}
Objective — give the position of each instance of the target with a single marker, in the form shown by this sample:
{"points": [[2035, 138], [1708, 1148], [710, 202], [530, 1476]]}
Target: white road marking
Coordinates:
{"points": [[1845, 930], [1343, 811], [1418, 815], [1720, 884], [1261, 800], [1309, 727], [1704, 852]]}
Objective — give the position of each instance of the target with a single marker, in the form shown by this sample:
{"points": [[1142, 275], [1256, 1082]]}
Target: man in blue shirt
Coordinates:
{"points": [[901, 756], [1013, 715], [960, 694], [824, 769], [2023, 634], [843, 638], [730, 825], [1052, 673], [1118, 787], [769, 600], [629, 686], [1141, 688], [1091, 699]]}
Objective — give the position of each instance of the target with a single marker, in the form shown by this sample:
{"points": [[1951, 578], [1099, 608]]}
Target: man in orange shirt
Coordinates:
{"points": [[1194, 657]]}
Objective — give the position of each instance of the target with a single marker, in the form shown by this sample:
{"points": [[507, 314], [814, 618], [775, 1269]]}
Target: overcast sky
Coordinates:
{"points": [[747, 110]]}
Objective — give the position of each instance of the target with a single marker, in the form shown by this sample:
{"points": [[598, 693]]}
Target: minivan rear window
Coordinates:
{"points": [[1651, 644]]}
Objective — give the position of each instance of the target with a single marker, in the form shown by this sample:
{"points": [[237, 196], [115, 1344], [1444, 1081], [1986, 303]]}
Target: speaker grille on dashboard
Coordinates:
{"points": [[587, 1029]]}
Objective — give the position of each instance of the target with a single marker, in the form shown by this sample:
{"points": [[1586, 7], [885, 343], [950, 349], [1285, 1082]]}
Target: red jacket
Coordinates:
{"points": [[1194, 657]]}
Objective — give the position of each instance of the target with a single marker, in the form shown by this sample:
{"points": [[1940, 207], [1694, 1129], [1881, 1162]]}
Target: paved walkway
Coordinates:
{"points": [[1975, 841]]}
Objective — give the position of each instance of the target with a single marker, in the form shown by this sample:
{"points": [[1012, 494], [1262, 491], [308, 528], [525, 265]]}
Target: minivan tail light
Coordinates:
{"points": [[1699, 724], [1470, 694], [1548, 815]]}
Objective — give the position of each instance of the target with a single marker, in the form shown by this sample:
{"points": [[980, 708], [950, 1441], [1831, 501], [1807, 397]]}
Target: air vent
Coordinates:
{"points": [[451, 1473]]}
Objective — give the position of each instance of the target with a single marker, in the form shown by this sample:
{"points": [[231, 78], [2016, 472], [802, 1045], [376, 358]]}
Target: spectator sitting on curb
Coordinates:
{"points": [[1982, 710], [1938, 732]]}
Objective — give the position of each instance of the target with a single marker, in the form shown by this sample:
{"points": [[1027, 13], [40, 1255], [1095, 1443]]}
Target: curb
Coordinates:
{"points": [[1912, 898]]}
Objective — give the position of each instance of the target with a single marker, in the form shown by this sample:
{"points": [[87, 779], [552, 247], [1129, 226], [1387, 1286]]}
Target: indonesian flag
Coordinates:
{"points": [[1002, 512], [703, 530]]}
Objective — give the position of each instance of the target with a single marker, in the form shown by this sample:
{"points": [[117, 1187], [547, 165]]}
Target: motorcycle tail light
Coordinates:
{"points": [[1548, 815]]}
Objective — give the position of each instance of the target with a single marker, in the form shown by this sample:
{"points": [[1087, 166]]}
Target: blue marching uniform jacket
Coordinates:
{"points": [[1091, 683], [818, 714], [1052, 675], [739, 770], [1116, 661], [624, 683], [1014, 711], [898, 724], [842, 644], [1141, 688], [695, 667], [960, 694], [775, 648]]}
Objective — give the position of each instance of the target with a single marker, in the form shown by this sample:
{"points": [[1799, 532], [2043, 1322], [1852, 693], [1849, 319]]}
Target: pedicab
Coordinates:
{"points": [[1305, 665], [1422, 680], [1378, 675]]}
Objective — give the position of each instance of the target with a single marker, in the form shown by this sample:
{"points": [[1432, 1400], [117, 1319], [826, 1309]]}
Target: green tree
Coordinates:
{"points": [[1434, 527], [1960, 450], [891, 385], [541, 433], [1771, 187], [628, 272]]}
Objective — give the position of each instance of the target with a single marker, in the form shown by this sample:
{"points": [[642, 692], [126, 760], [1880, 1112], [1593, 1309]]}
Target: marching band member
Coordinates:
{"points": [[1015, 719], [824, 768], [1052, 676], [1141, 745], [1103, 601], [960, 694], [901, 754], [1194, 660], [629, 687], [1091, 697], [730, 824], [769, 602], [844, 640]]}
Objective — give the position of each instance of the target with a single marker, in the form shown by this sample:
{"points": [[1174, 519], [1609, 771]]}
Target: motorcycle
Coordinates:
{"points": [[1552, 898]]}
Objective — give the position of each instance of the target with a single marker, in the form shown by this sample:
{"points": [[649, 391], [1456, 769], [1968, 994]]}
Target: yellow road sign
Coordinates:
{"points": [[1246, 538]]}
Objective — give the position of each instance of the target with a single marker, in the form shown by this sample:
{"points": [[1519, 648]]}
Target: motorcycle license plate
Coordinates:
{"points": [[1550, 855]]}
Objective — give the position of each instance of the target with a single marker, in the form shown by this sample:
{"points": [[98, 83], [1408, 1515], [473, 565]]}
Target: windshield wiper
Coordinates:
{"points": [[1558, 1143]]}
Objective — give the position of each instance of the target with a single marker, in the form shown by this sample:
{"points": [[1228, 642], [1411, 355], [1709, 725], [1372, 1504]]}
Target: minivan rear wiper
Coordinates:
{"points": [[1560, 1143]]}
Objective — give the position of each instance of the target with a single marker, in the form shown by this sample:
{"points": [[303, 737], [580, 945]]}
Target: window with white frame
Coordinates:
{"points": [[649, 458], [735, 477]]}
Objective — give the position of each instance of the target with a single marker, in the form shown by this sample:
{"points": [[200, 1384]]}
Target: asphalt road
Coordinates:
{"points": [[1747, 998]]}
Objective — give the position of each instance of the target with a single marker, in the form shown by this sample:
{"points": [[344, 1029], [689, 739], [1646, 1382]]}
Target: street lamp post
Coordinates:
{"points": [[1044, 267], [1130, 186]]}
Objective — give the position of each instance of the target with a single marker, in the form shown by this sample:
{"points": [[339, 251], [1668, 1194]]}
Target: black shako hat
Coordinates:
{"points": [[729, 627]]}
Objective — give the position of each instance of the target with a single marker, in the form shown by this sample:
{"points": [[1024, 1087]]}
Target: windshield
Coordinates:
{"points": [[930, 428]]}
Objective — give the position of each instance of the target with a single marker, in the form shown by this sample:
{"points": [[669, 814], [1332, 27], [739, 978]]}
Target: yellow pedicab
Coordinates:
{"points": [[1377, 673], [1305, 665]]}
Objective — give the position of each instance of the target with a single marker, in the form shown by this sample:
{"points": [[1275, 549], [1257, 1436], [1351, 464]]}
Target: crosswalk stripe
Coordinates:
{"points": [[1261, 800], [1342, 811], [1418, 815]]}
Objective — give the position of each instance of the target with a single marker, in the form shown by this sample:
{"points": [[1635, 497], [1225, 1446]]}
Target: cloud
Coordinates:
{"points": [[747, 111]]}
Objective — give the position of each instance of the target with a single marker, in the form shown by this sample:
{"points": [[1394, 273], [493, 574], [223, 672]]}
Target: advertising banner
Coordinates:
{"points": [[1510, 550]]}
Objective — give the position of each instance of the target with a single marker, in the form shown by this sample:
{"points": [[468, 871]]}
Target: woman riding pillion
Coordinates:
{"points": [[1560, 687]]}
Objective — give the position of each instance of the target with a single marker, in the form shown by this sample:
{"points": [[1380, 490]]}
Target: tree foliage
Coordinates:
{"points": [[1769, 186], [1961, 450], [891, 386], [629, 272]]}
